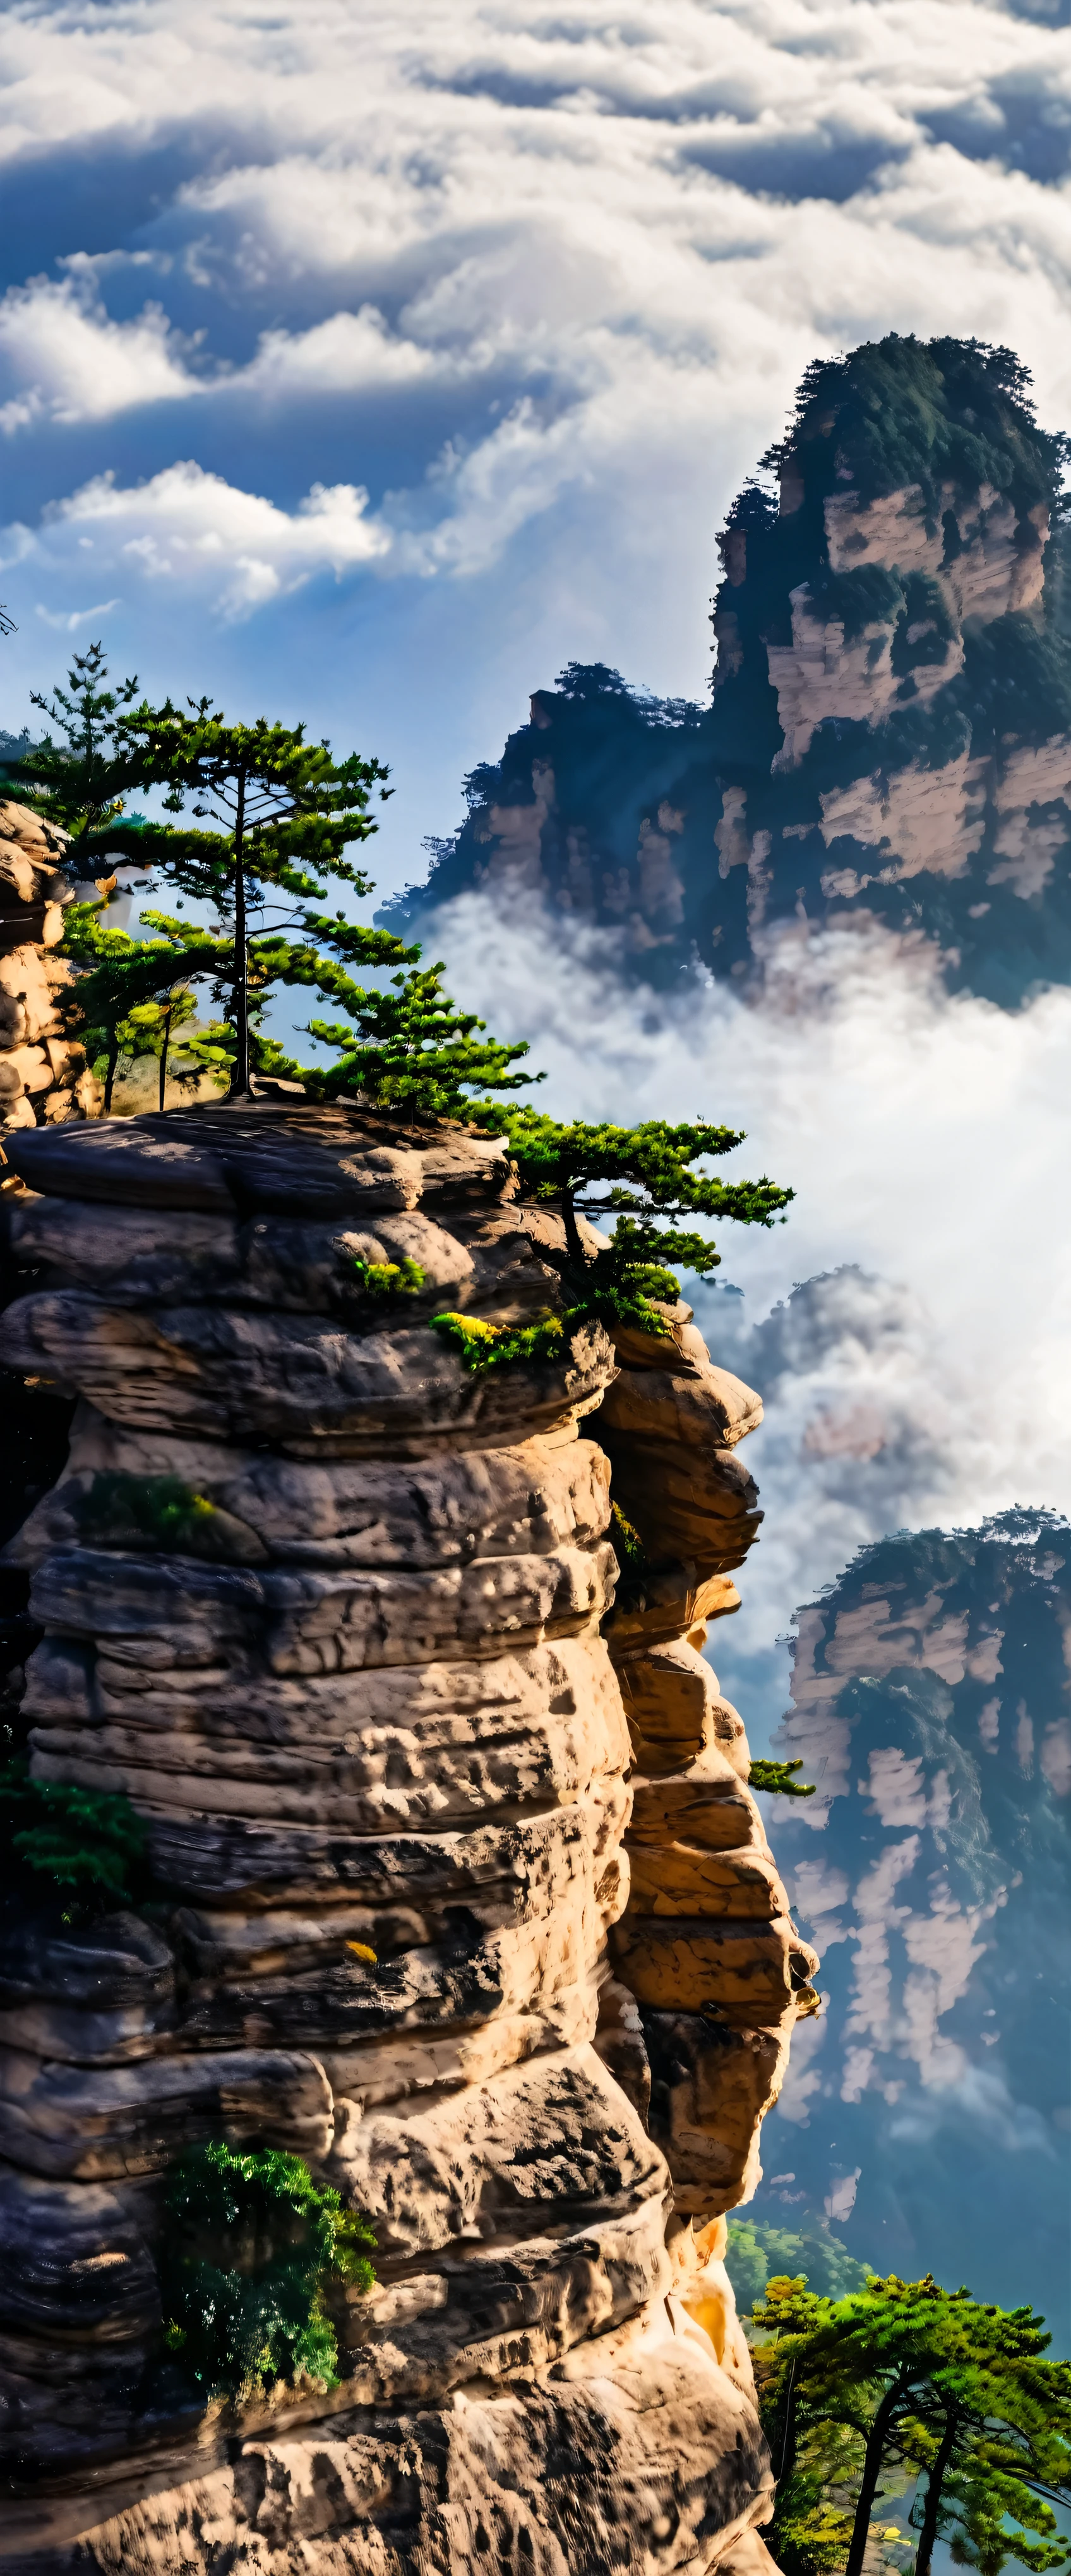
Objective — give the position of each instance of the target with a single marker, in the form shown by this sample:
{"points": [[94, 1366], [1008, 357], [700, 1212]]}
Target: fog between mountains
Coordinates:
{"points": [[922, 1371]]}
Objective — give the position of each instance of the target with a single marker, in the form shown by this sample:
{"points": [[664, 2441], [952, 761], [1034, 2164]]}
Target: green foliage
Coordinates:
{"points": [[1016, 679], [410, 1047], [644, 1176], [80, 783], [979, 2502], [913, 2376], [251, 2247], [283, 813], [644, 1170], [757, 2249], [627, 1544], [279, 815], [868, 596], [118, 1507], [778, 1781], [488, 1346], [925, 627], [87, 1846], [389, 1280], [812, 2535], [902, 411], [133, 993]]}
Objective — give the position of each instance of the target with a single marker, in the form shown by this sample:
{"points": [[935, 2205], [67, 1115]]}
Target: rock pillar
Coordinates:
{"points": [[337, 1615]]}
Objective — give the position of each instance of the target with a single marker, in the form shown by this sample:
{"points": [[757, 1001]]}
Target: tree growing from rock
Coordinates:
{"points": [[276, 816], [284, 813], [648, 1178], [253, 2243]]}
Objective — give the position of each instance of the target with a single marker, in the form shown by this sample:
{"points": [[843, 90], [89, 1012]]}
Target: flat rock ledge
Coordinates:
{"points": [[459, 1888]]}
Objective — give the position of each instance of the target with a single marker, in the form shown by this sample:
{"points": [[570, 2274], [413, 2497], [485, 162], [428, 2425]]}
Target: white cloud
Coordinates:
{"points": [[983, 2106], [621, 241], [931, 1383], [349, 353], [68, 622], [190, 532], [840, 2198], [68, 362]]}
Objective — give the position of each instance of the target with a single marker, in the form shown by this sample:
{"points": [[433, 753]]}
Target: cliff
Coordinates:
{"points": [[890, 731], [43, 1077], [456, 1887], [928, 2107]]}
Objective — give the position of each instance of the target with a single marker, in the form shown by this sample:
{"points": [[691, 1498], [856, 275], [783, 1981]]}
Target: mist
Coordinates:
{"points": [[909, 1325]]}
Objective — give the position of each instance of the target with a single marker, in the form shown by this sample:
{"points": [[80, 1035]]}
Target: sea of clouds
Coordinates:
{"points": [[368, 364], [909, 1326]]}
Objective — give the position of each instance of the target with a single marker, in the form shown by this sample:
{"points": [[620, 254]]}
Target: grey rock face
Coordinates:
{"points": [[343, 1620]]}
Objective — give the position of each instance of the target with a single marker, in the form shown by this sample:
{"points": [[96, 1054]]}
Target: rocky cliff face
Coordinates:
{"points": [[928, 2107], [43, 1077], [457, 1885], [890, 734]]}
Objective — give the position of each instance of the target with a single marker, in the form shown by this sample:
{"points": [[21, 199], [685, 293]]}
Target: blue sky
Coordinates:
{"points": [[368, 364]]}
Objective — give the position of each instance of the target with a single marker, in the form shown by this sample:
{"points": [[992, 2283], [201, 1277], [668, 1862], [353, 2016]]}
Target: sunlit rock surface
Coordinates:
{"points": [[44, 1078], [460, 1889], [890, 731]]}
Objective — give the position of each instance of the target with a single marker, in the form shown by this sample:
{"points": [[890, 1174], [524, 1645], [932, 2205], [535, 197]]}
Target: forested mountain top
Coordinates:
{"points": [[888, 733]]}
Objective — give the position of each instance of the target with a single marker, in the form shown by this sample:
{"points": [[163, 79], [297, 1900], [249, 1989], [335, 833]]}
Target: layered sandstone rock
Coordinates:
{"points": [[44, 1078], [459, 1890]]}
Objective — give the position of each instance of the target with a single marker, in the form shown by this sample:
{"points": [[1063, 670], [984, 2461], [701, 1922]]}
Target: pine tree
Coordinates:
{"points": [[276, 816], [645, 1177], [132, 993], [80, 783], [284, 814], [906, 2373], [288, 813]]}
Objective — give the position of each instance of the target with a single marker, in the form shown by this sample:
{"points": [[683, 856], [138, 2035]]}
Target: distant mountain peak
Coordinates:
{"points": [[889, 733]]}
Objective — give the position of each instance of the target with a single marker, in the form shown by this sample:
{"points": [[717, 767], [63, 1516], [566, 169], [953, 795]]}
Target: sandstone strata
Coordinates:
{"points": [[460, 1889], [44, 1078]]}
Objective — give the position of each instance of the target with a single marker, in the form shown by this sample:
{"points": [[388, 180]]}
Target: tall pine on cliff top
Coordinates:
{"points": [[276, 817], [81, 781], [285, 815]]}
